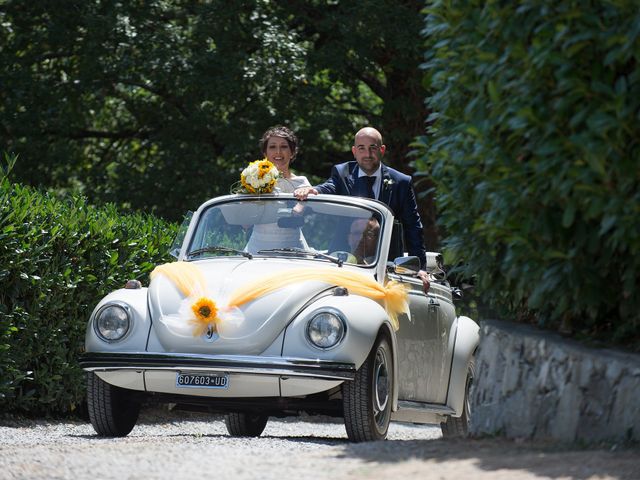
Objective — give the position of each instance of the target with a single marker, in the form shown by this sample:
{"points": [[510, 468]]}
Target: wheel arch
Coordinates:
{"points": [[466, 343], [387, 329]]}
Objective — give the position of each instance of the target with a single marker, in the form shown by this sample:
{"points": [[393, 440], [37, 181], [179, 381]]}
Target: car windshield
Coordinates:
{"points": [[277, 226]]}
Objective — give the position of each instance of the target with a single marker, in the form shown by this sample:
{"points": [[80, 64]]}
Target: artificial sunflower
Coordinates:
{"points": [[264, 167], [246, 185], [206, 315]]}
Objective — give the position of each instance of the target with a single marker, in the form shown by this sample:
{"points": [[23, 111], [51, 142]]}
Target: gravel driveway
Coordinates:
{"points": [[193, 446]]}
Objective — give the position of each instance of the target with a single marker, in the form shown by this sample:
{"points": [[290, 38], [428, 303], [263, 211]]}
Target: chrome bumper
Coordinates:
{"points": [[254, 365]]}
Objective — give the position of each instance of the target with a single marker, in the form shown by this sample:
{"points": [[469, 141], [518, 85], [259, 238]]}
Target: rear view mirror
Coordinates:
{"points": [[291, 222]]}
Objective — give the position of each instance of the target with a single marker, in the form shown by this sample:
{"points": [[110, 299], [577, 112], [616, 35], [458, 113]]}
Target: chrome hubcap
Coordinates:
{"points": [[381, 383]]}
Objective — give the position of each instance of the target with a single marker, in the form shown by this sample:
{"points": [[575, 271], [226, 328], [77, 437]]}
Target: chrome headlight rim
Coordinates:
{"points": [[96, 317], [333, 312]]}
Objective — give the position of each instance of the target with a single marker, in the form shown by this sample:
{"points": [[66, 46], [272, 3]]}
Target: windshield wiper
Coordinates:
{"points": [[303, 252], [218, 248]]}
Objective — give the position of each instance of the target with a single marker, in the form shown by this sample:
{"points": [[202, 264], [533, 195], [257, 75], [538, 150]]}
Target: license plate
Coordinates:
{"points": [[195, 380]]}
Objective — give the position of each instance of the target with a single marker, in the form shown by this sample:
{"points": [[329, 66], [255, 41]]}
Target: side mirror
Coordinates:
{"points": [[406, 265]]}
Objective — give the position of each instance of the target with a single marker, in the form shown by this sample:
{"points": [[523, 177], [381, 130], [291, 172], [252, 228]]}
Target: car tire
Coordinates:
{"points": [[245, 424], [112, 410], [459, 426], [368, 397]]}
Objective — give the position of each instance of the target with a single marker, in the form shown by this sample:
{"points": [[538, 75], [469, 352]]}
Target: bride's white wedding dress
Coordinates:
{"points": [[269, 235]]}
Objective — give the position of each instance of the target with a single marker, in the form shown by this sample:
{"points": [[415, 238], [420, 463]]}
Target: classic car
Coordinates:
{"points": [[275, 308]]}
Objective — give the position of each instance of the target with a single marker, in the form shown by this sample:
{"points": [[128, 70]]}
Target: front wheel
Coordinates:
{"points": [[245, 425], [112, 410], [459, 426], [367, 399]]}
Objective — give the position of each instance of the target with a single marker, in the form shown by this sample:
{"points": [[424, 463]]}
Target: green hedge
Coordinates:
{"points": [[534, 145], [57, 259]]}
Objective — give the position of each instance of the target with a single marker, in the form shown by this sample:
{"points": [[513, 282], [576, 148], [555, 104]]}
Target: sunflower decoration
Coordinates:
{"points": [[259, 176], [205, 314]]}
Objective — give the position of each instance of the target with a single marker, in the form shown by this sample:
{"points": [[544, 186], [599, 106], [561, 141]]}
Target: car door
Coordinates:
{"points": [[441, 306], [423, 350]]}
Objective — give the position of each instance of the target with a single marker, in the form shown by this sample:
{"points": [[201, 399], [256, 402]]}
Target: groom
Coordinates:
{"points": [[367, 176]]}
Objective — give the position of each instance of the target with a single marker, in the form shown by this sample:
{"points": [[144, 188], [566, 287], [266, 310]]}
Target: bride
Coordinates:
{"points": [[280, 146]]}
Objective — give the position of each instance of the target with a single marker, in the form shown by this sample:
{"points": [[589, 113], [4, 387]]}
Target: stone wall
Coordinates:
{"points": [[537, 385]]}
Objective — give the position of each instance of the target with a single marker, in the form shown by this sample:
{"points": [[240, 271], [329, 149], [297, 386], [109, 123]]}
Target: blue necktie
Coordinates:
{"points": [[368, 186]]}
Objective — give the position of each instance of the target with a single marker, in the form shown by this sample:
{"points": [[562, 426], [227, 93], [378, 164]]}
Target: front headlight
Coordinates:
{"points": [[326, 329], [112, 322]]}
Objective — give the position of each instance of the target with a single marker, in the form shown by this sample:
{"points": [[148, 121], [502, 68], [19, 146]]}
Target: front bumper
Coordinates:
{"points": [[279, 366], [248, 376]]}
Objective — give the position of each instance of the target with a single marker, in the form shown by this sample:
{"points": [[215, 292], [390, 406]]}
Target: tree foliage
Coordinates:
{"points": [[535, 150], [158, 105]]}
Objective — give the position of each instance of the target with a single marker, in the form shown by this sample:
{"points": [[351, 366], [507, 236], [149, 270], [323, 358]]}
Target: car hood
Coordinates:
{"points": [[250, 328]]}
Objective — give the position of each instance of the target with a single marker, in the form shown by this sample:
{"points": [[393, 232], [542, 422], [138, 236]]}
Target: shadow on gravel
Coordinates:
{"points": [[329, 441], [414, 458], [325, 441], [493, 455], [162, 416]]}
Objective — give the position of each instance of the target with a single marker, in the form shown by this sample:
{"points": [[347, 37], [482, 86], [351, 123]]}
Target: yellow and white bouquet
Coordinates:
{"points": [[258, 177]]}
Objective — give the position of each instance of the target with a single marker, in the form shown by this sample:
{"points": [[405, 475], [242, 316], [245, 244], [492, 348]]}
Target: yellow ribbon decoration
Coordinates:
{"points": [[393, 294], [191, 282], [188, 277]]}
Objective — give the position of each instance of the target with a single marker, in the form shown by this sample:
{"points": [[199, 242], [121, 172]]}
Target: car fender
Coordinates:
{"points": [[136, 338], [363, 317], [467, 338]]}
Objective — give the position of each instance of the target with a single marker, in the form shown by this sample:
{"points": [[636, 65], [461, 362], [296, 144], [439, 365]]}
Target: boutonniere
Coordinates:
{"points": [[388, 183]]}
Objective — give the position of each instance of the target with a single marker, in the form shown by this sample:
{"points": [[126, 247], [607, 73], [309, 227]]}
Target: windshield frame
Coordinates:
{"points": [[317, 204]]}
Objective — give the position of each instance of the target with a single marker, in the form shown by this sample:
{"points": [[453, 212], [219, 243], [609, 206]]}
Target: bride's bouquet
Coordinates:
{"points": [[258, 177]]}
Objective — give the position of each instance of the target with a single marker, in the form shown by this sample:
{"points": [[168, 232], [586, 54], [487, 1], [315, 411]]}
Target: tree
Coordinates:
{"points": [[158, 105], [369, 53], [535, 150]]}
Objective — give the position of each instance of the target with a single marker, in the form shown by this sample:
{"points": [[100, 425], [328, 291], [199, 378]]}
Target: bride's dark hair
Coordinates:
{"points": [[282, 132]]}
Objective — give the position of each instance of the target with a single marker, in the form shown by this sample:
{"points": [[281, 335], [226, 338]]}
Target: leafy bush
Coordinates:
{"points": [[57, 259], [535, 149]]}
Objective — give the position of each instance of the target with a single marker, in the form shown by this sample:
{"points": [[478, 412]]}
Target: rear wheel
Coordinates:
{"points": [[245, 425], [112, 410], [459, 426], [367, 399]]}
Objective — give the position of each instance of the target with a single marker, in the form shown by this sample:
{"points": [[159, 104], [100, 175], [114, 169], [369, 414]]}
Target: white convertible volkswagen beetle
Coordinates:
{"points": [[277, 307]]}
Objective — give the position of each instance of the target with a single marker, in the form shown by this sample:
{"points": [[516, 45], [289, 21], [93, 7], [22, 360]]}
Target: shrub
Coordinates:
{"points": [[57, 259], [534, 148]]}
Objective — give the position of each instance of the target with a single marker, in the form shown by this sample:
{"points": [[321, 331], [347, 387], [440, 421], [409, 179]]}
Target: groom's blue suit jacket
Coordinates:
{"points": [[397, 193]]}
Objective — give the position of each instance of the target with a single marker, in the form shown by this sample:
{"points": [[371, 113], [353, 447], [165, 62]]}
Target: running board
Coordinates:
{"points": [[418, 412]]}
